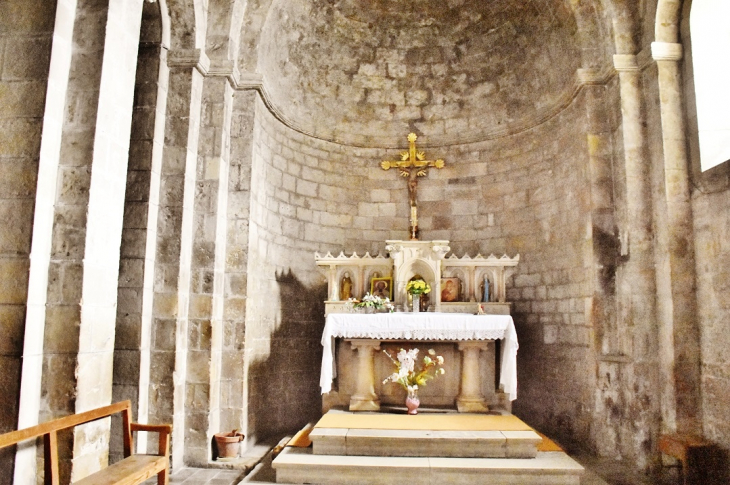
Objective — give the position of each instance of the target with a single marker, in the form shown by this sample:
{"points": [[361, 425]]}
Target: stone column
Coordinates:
{"points": [[365, 398], [679, 334], [471, 399], [629, 345]]}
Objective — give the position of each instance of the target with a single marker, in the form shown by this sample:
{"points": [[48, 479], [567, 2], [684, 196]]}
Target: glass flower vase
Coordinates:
{"points": [[416, 303]]}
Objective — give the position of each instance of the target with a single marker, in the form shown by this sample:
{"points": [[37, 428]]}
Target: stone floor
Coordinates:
{"points": [[598, 472], [254, 467]]}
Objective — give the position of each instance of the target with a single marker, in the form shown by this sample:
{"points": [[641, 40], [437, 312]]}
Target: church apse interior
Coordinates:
{"points": [[168, 169]]}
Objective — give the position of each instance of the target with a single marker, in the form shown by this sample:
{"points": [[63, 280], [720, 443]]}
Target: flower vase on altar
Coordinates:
{"points": [[410, 376], [412, 401], [416, 288]]}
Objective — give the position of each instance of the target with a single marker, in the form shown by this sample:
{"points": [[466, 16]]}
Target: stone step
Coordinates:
{"points": [[424, 443], [300, 465]]}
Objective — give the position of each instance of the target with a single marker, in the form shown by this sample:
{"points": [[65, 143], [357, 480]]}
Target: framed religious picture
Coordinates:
{"points": [[450, 289], [382, 287]]}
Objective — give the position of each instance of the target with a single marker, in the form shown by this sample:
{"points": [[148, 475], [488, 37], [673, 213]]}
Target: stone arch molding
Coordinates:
{"points": [[188, 23], [667, 21]]}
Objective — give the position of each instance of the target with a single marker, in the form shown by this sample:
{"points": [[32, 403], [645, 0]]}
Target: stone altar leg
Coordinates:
{"points": [[365, 398], [471, 400]]}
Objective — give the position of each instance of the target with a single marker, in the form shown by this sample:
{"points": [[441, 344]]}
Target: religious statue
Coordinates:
{"points": [[346, 288], [412, 164], [484, 287]]}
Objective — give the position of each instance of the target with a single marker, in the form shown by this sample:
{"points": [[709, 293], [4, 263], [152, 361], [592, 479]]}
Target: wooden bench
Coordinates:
{"points": [[133, 469], [691, 452]]}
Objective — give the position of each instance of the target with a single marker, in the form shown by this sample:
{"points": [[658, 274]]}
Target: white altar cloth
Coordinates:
{"points": [[422, 326]]}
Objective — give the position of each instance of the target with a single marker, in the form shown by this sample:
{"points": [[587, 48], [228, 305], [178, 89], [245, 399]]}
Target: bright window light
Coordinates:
{"points": [[709, 22]]}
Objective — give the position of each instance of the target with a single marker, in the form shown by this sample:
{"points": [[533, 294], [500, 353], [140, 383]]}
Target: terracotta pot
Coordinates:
{"points": [[228, 444]]}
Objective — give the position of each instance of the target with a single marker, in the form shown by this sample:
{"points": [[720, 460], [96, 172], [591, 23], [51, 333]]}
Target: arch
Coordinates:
{"points": [[188, 22], [667, 21], [224, 28], [592, 34], [165, 23], [252, 22], [626, 24]]}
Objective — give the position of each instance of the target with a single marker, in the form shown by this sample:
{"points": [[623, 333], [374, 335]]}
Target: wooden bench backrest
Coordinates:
{"points": [[50, 429], [55, 425]]}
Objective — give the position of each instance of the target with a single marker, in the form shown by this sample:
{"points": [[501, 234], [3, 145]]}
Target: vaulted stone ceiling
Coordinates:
{"points": [[367, 73]]}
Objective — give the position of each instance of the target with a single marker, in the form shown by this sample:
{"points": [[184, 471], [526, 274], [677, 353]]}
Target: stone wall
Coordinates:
{"points": [[520, 194], [712, 247], [547, 219], [23, 83]]}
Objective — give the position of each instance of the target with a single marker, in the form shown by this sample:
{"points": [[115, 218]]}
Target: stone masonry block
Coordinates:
{"points": [[522, 280], [23, 97], [198, 367], [18, 178], [199, 334], [20, 137], [306, 188], [128, 331], [14, 282], [12, 323], [165, 305], [62, 329], [15, 236], [197, 396], [126, 367], [163, 368], [31, 58], [200, 306]]}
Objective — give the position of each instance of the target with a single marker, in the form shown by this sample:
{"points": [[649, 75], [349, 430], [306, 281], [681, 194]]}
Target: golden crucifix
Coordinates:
{"points": [[413, 164]]}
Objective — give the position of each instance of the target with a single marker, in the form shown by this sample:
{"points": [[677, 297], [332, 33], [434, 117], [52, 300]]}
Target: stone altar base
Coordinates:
{"points": [[363, 455]]}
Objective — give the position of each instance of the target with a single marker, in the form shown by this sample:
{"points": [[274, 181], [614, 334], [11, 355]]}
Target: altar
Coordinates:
{"points": [[367, 332], [466, 314]]}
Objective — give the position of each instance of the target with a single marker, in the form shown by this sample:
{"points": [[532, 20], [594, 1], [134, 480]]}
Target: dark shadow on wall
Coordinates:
{"points": [[284, 388]]}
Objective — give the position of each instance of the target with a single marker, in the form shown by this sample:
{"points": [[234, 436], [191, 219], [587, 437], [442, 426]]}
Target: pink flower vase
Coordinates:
{"points": [[412, 402]]}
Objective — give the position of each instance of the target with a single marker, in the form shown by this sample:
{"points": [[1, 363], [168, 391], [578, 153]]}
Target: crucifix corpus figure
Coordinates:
{"points": [[412, 164]]}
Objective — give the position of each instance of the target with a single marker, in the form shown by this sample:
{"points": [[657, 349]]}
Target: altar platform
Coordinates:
{"points": [[386, 448]]}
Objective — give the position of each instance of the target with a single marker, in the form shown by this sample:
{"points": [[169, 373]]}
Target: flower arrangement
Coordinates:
{"points": [[372, 301], [407, 375], [418, 287]]}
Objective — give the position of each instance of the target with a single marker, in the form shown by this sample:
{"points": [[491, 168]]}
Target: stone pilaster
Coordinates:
{"points": [[169, 355], [234, 400], [205, 332], [83, 247], [675, 261], [139, 242], [631, 361], [31, 121]]}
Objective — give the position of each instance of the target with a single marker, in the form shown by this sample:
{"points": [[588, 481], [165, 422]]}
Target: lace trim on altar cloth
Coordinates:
{"points": [[426, 334]]}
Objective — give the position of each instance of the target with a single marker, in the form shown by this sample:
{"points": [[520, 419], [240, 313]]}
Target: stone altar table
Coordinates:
{"points": [[365, 332]]}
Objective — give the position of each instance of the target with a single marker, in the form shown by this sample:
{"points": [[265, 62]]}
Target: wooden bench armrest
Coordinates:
{"points": [[164, 431]]}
